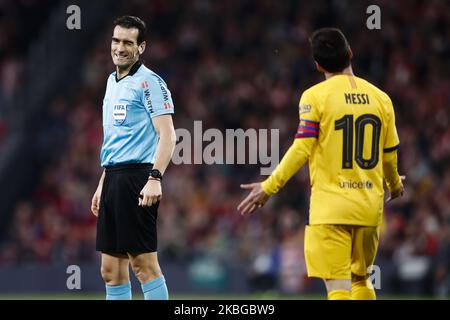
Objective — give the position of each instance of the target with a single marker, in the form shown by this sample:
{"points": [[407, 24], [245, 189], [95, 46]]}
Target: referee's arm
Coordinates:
{"points": [[151, 193], [167, 139]]}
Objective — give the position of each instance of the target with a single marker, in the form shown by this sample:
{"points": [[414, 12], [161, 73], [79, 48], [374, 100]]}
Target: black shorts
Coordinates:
{"points": [[123, 226]]}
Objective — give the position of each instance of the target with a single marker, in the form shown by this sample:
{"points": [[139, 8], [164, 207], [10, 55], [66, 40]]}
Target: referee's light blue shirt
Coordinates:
{"points": [[129, 104]]}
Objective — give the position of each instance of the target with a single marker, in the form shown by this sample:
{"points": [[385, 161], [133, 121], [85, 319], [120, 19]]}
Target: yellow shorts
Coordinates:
{"points": [[338, 251]]}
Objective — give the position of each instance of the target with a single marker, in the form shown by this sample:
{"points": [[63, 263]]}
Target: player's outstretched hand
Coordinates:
{"points": [[397, 193], [255, 200]]}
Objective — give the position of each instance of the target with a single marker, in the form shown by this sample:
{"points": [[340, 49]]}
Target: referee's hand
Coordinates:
{"points": [[95, 205], [151, 193]]}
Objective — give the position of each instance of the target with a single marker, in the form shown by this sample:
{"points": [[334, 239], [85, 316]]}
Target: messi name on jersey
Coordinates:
{"points": [[356, 98]]}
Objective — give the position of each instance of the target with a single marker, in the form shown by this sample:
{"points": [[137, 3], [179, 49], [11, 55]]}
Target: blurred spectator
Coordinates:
{"points": [[10, 76], [3, 130], [265, 267], [442, 265], [16, 34]]}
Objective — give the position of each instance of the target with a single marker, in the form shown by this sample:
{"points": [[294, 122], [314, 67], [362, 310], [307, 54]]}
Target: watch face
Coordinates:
{"points": [[155, 174]]}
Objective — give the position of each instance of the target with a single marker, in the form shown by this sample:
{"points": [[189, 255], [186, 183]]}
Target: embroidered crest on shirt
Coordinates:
{"points": [[119, 113]]}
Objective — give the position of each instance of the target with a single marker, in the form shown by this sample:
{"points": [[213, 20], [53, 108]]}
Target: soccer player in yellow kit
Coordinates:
{"points": [[347, 132]]}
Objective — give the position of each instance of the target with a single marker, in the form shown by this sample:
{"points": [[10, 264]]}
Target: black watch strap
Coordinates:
{"points": [[155, 174]]}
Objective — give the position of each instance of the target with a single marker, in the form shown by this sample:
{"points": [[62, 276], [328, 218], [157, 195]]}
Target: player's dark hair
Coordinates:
{"points": [[330, 49], [129, 22]]}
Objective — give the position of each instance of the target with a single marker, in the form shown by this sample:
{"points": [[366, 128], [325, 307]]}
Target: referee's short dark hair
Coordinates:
{"points": [[133, 22], [330, 49]]}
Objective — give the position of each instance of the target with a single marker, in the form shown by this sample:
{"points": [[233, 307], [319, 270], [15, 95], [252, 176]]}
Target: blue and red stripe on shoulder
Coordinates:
{"points": [[307, 129]]}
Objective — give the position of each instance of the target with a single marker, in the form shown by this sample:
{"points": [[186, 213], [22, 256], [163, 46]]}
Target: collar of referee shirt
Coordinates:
{"points": [[132, 71]]}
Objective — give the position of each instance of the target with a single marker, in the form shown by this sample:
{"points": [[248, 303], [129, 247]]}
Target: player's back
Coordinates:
{"points": [[356, 126]]}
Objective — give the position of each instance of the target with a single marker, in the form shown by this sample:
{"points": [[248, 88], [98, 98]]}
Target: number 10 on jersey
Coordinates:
{"points": [[358, 127]]}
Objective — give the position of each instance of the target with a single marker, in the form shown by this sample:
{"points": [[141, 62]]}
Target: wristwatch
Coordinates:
{"points": [[155, 174]]}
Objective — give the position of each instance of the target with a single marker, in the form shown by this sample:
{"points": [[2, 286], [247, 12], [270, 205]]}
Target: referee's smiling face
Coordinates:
{"points": [[125, 50]]}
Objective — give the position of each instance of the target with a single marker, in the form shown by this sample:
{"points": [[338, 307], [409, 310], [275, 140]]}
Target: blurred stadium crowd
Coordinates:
{"points": [[15, 36], [244, 64]]}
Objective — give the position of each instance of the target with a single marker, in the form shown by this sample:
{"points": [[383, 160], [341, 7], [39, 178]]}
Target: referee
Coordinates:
{"points": [[139, 139]]}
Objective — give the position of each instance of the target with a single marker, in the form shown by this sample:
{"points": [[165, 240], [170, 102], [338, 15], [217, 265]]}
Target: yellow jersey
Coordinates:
{"points": [[347, 132]]}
